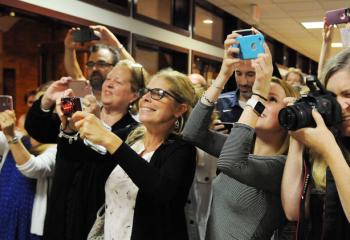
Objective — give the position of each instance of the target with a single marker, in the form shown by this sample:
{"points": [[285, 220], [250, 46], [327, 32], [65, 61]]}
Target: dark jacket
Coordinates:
{"points": [[80, 174], [163, 185], [336, 225]]}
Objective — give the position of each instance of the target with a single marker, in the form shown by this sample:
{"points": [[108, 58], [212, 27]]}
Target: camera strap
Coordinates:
{"points": [[301, 231]]}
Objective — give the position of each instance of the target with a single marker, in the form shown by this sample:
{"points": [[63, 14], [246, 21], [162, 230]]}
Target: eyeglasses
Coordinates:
{"points": [[157, 94], [98, 64]]}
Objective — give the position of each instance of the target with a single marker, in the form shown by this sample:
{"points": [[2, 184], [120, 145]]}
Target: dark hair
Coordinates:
{"points": [[113, 51], [28, 94], [340, 61]]}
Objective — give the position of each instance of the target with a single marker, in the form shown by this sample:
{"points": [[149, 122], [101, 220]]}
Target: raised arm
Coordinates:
{"points": [[34, 167], [292, 180], [197, 127], [70, 58], [108, 38], [42, 123], [327, 35]]}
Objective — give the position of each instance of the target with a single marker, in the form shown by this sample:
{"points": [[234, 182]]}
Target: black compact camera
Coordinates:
{"points": [[70, 105], [299, 115], [85, 34]]}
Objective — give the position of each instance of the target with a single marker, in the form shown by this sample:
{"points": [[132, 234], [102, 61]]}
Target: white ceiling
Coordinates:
{"points": [[281, 19]]}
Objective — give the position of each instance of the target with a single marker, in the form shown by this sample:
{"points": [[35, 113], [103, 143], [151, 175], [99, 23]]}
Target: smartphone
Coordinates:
{"points": [[80, 88], [250, 46], [6, 103], [228, 125], [244, 32], [70, 105], [85, 34], [338, 16]]}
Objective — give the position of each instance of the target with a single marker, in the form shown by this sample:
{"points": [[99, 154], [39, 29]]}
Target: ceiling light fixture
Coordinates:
{"points": [[337, 45], [312, 25], [208, 21], [12, 14]]}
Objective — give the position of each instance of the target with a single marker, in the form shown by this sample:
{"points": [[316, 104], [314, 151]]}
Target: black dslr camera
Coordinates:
{"points": [[299, 115], [70, 105]]}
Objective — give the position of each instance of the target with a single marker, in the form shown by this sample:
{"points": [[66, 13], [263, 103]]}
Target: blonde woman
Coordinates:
{"points": [[246, 194], [336, 209], [147, 191], [78, 185]]}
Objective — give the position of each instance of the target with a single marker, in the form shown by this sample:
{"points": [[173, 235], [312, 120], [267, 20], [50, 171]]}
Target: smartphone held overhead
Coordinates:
{"points": [[250, 45], [80, 88], [6, 103], [85, 34], [338, 16]]}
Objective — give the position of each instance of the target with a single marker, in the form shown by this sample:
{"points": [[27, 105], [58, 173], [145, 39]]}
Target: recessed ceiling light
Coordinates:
{"points": [[312, 25], [337, 45], [208, 21], [12, 14]]}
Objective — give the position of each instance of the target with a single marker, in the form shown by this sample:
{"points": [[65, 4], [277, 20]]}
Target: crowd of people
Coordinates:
{"points": [[152, 157]]}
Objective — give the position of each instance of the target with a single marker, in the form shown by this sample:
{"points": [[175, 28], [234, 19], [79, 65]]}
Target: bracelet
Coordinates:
{"points": [[263, 98], [217, 87], [14, 140], [120, 48], [70, 138], [44, 110], [211, 103]]}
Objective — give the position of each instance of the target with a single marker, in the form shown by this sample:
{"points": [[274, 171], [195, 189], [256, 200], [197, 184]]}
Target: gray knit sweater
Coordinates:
{"points": [[246, 194]]}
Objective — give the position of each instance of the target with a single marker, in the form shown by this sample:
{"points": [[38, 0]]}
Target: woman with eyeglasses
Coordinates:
{"points": [[147, 191], [80, 175]]}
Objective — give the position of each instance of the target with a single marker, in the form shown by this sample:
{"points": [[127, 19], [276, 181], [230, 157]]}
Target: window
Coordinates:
{"points": [[169, 14], [156, 9], [208, 26], [154, 55]]}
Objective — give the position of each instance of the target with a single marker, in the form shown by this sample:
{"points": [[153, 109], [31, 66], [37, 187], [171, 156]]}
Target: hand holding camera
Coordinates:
{"points": [[300, 114], [54, 92], [318, 138], [92, 130]]}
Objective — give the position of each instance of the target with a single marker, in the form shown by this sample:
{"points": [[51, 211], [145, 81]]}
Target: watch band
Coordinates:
{"points": [[257, 106], [14, 140]]}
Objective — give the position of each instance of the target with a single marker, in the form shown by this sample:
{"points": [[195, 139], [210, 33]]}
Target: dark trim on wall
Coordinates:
{"points": [[110, 6], [207, 56], [65, 18]]}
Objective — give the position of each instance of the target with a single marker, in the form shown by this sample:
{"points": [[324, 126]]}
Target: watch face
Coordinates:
{"points": [[259, 107]]}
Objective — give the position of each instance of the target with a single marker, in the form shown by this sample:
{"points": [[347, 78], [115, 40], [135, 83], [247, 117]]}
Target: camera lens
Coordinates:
{"points": [[296, 116], [288, 118]]}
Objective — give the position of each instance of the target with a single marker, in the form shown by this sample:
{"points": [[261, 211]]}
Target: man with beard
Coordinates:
{"points": [[230, 104], [104, 55]]}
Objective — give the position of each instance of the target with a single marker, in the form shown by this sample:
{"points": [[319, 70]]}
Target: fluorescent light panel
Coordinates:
{"points": [[337, 45], [207, 21], [312, 25]]}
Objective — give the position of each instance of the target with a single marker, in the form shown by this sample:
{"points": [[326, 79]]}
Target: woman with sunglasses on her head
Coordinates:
{"points": [[332, 151], [246, 194], [78, 185], [147, 190]]}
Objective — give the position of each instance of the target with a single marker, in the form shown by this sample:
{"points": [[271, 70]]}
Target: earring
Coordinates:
{"points": [[179, 124]]}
